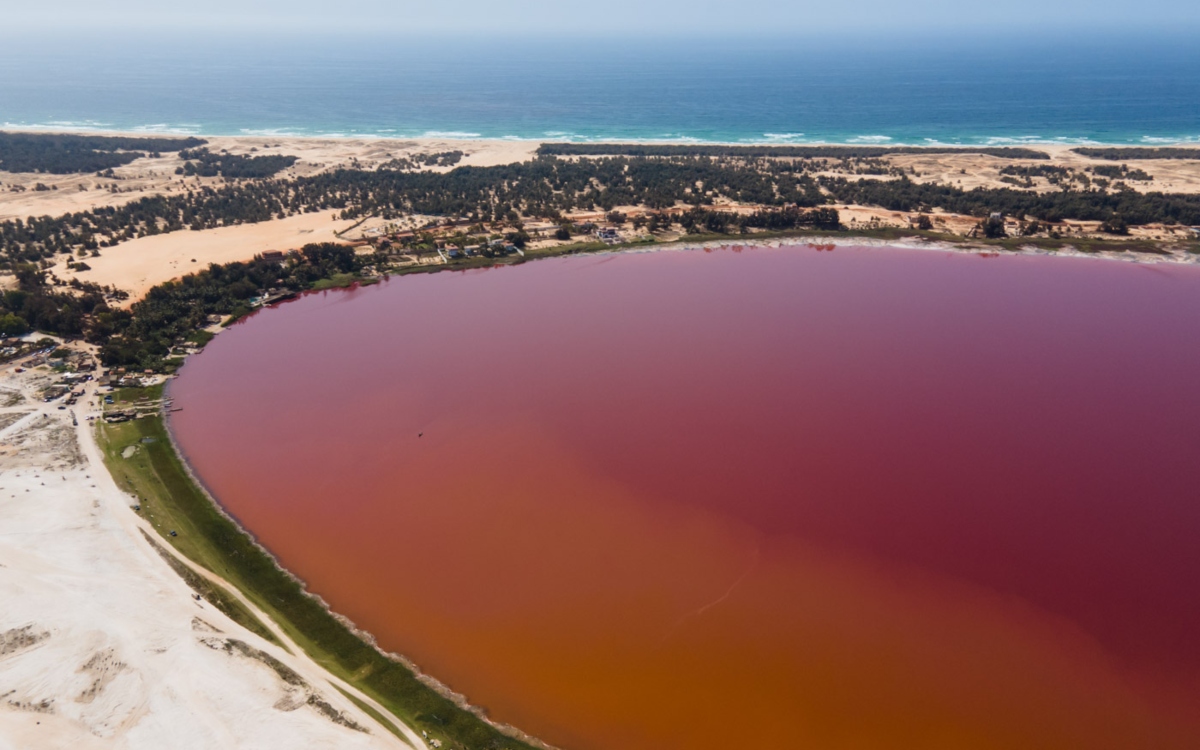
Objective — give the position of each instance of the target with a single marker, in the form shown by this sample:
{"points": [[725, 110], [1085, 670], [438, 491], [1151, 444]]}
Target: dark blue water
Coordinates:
{"points": [[979, 90]]}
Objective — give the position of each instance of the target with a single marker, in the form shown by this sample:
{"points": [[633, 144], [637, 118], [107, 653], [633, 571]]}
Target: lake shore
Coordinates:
{"points": [[364, 641], [324, 641], [409, 627]]}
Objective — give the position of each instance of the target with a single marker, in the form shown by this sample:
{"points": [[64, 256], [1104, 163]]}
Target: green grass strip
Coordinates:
{"points": [[172, 502]]}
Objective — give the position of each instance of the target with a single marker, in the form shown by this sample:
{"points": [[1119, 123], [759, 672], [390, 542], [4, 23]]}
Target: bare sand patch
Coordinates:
{"points": [[139, 264]]}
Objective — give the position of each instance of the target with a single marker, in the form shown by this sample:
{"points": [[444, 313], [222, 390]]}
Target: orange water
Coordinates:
{"points": [[868, 498]]}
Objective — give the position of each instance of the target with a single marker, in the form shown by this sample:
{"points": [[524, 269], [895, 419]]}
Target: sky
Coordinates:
{"points": [[564, 18]]}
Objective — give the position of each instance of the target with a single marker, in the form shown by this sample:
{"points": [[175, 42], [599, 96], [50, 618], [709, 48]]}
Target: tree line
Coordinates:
{"points": [[35, 305], [767, 151], [1133, 153], [175, 311], [547, 187], [56, 153], [205, 163], [1086, 205], [700, 220]]}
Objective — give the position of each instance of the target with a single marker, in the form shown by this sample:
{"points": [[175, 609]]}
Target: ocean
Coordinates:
{"points": [[992, 90]]}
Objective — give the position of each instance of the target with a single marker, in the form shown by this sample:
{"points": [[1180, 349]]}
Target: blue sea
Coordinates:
{"points": [[990, 89]]}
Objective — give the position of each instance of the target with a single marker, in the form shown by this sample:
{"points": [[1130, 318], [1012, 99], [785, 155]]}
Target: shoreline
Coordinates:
{"points": [[867, 242], [166, 499], [459, 699], [466, 137], [917, 243]]}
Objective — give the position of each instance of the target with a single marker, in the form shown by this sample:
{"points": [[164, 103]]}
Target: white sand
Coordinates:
{"points": [[102, 645]]}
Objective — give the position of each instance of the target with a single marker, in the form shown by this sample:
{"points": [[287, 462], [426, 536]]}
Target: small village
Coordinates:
{"points": [[430, 241], [66, 366], [433, 240]]}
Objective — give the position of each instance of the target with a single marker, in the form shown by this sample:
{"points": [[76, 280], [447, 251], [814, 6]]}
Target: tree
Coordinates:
{"points": [[1115, 224], [12, 325], [993, 227], [924, 223]]}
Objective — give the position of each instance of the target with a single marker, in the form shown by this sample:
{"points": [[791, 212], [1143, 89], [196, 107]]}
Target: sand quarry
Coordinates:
{"points": [[103, 645]]}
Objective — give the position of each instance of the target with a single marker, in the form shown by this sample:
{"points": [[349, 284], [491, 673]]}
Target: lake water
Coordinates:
{"points": [[784, 497]]}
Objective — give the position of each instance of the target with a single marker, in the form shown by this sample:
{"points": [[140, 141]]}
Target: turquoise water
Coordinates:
{"points": [[989, 91]]}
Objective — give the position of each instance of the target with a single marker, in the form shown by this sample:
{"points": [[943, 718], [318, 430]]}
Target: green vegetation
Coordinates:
{"points": [[544, 187], [67, 154], [378, 717], [438, 159], [800, 152], [172, 502], [153, 332], [204, 163], [548, 186], [1122, 172], [1054, 175], [342, 281], [33, 305], [211, 593], [1132, 153], [175, 312], [677, 187], [1088, 205]]}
